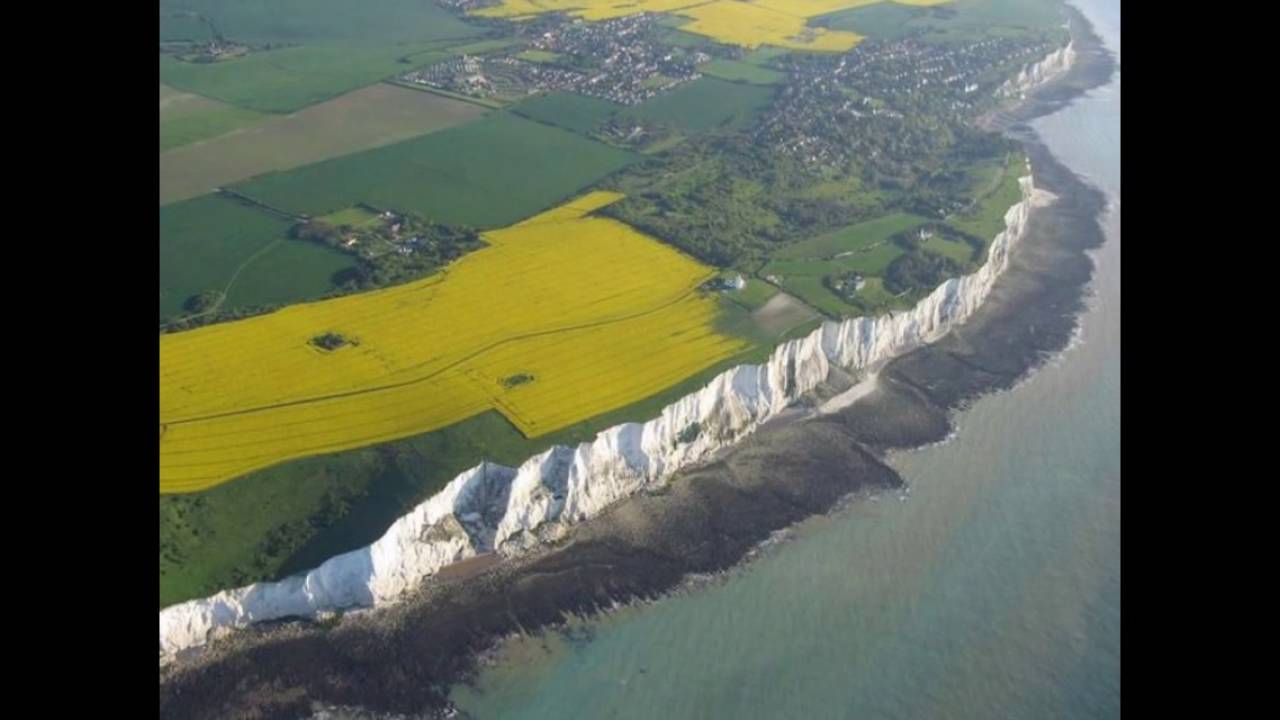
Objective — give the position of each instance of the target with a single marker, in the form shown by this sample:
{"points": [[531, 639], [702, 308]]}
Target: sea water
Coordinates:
{"points": [[990, 590]]}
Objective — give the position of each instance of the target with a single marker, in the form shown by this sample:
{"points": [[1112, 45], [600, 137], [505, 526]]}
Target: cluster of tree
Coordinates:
{"points": [[731, 202], [417, 249], [845, 285], [331, 341], [202, 318], [203, 302], [919, 270], [516, 380]]}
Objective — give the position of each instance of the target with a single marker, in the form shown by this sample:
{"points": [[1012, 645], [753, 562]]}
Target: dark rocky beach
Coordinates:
{"points": [[403, 659]]}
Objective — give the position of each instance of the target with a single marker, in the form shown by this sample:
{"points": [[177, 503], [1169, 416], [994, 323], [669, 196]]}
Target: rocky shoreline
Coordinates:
{"points": [[403, 658]]}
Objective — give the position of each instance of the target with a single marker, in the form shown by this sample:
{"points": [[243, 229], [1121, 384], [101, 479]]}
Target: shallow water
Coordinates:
{"points": [[992, 590]]}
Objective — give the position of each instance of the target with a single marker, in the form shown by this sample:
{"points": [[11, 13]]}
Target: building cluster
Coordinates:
{"points": [[619, 60], [882, 96], [623, 58]]}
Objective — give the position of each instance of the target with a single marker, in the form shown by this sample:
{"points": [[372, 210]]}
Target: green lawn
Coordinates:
{"points": [[572, 112], [489, 173], [854, 237], [207, 241], [704, 104], [737, 71]]}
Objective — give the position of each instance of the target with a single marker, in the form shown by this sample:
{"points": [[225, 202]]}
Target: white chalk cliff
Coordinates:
{"points": [[1047, 69], [494, 508]]}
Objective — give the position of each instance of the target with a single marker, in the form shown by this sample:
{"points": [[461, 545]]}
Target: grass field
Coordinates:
{"points": [[208, 242], [562, 318], [986, 218], [323, 21], [356, 217], [763, 56], [704, 104], [539, 56], [571, 112], [291, 271], [187, 118], [183, 25], [488, 173], [885, 20], [853, 238], [958, 250], [864, 248], [964, 21], [288, 79], [738, 71], [377, 115], [754, 295]]}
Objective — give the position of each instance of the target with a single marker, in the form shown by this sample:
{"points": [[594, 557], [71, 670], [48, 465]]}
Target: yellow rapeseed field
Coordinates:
{"points": [[563, 317], [749, 23]]}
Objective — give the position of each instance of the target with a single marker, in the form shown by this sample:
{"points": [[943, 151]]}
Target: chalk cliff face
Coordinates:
{"points": [[1034, 74], [508, 510]]}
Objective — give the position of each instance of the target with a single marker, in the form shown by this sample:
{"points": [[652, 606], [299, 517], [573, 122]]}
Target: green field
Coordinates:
{"points": [[886, 20], [737, 71], [704, 104], [215, 243], [356, 217], [292, 271], [764, 55], [864, 248], [180, 25], [854, 237], [985, 219], [674, 36], [956, 21], [187, 118], [539, 56], [290, 518], [385, 22], [571, 112], [754, 295], [289, 79], [491, 173], [366, 118], [958, 250]]}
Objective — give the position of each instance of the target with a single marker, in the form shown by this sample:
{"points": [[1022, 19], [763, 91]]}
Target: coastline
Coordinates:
{"points": [[643, 546]]}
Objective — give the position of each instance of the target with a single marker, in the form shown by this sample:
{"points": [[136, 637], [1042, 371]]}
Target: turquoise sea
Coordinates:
{"points": [[992, 590]]}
